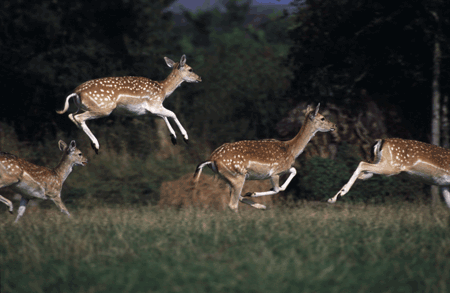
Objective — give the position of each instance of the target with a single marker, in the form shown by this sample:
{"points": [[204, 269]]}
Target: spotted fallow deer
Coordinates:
{"points": [[129, 95], [262, 159], [425, 162], [33, 181]]}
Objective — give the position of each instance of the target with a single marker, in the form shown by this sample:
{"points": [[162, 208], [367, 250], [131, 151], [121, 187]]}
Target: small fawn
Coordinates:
{"points": [[32, 181]]}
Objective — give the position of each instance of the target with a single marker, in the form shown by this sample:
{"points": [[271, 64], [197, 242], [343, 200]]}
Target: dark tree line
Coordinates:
{"points": [[325, 51], [48, 47], [385, 48]]}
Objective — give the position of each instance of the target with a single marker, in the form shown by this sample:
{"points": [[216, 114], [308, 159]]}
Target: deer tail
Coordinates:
{"points": [[76, 99], [198, 171]]}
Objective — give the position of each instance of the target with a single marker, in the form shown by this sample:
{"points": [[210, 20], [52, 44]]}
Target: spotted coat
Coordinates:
{"points": [[129, 95], [32, 181], [263, 159], [422, 161]]}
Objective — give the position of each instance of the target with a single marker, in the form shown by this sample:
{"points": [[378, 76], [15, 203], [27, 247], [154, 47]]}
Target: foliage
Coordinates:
{"points": [[382, 47], [321, 178], [318, 248], [243, 71]]}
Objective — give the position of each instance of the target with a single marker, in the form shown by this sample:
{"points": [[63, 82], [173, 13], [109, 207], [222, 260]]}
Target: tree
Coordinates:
{"points": [[390, 48], [383, 47], [243, 70]]}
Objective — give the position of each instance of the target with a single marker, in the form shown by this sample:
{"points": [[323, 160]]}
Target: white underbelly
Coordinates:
{"points": [[252, 175], [438, 178], [131, 109], [29, 190]]}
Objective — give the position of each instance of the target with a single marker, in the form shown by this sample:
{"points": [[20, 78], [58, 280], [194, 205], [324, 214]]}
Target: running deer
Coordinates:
{"points": [[426, 162], [262, 159], [35, 181], [129, 95]]}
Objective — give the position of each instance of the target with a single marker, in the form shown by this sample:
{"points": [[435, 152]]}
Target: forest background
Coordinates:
{"points": [[377, 67]]}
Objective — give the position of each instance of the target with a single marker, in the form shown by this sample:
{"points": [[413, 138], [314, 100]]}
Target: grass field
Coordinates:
{"points": [[312, 247]]}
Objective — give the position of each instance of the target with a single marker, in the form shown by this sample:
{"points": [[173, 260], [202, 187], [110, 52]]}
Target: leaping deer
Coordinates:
{"points": [[426, 162], [262, 159], [35, 181], [130, 95]]}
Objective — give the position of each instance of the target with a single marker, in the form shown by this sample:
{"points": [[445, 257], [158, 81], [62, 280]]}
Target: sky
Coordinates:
{"points": [[204, 4]]}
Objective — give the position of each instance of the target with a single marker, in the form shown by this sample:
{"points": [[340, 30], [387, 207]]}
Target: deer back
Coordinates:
{"points": [[254, 156]]}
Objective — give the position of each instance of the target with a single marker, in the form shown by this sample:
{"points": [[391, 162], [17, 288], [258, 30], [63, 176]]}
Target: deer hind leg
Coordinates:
{"points": [[80, 122], [57, 200], [23, 205], [7, 180], [7, 202], [365, 171], [236, 184]]}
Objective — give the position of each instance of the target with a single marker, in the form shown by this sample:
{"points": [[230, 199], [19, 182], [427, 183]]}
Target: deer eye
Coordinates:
{"points": [[322, 119], [190, 70]]}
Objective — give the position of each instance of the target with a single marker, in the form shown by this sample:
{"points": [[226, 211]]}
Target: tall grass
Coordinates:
{"points": [[306, 248]]}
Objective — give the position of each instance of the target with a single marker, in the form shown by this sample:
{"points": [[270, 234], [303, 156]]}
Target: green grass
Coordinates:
{"points": [[308, 248]]}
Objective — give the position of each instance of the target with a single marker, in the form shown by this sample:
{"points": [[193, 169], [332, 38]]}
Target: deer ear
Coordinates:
{"points": [[169, 62], [72, 146], [309, 108], [317, 109], [183, 60], [62, 145]]}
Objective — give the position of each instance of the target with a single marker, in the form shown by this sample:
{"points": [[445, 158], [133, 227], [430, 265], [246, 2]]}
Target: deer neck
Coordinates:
{"points": [[299, 142], [63, 169], [171, 83]]}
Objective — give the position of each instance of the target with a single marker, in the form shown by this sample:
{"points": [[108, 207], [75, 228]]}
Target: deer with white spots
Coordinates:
{"points": [[129, 95], [262, 159], [422, 161], [32, 181]]}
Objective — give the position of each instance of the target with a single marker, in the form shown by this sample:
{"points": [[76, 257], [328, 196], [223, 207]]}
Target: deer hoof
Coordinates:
{"points": [[94, 147], [248, 194], [186, 140], [174, 139]]}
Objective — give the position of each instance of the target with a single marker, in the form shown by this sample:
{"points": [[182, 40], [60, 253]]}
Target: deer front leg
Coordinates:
{"points": [[23, 205], [275, 185], [80, 122], [365, 171], [57, 200], [446, 194], [349, 184], [173, 136], [164, 113], [7, 202]]}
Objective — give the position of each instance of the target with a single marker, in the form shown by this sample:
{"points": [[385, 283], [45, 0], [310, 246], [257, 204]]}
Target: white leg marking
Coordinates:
{"points": [[172, 132], [277, 189], [21, 210], [164, 113], [7, 202], [446, 194], [347, 186]]}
